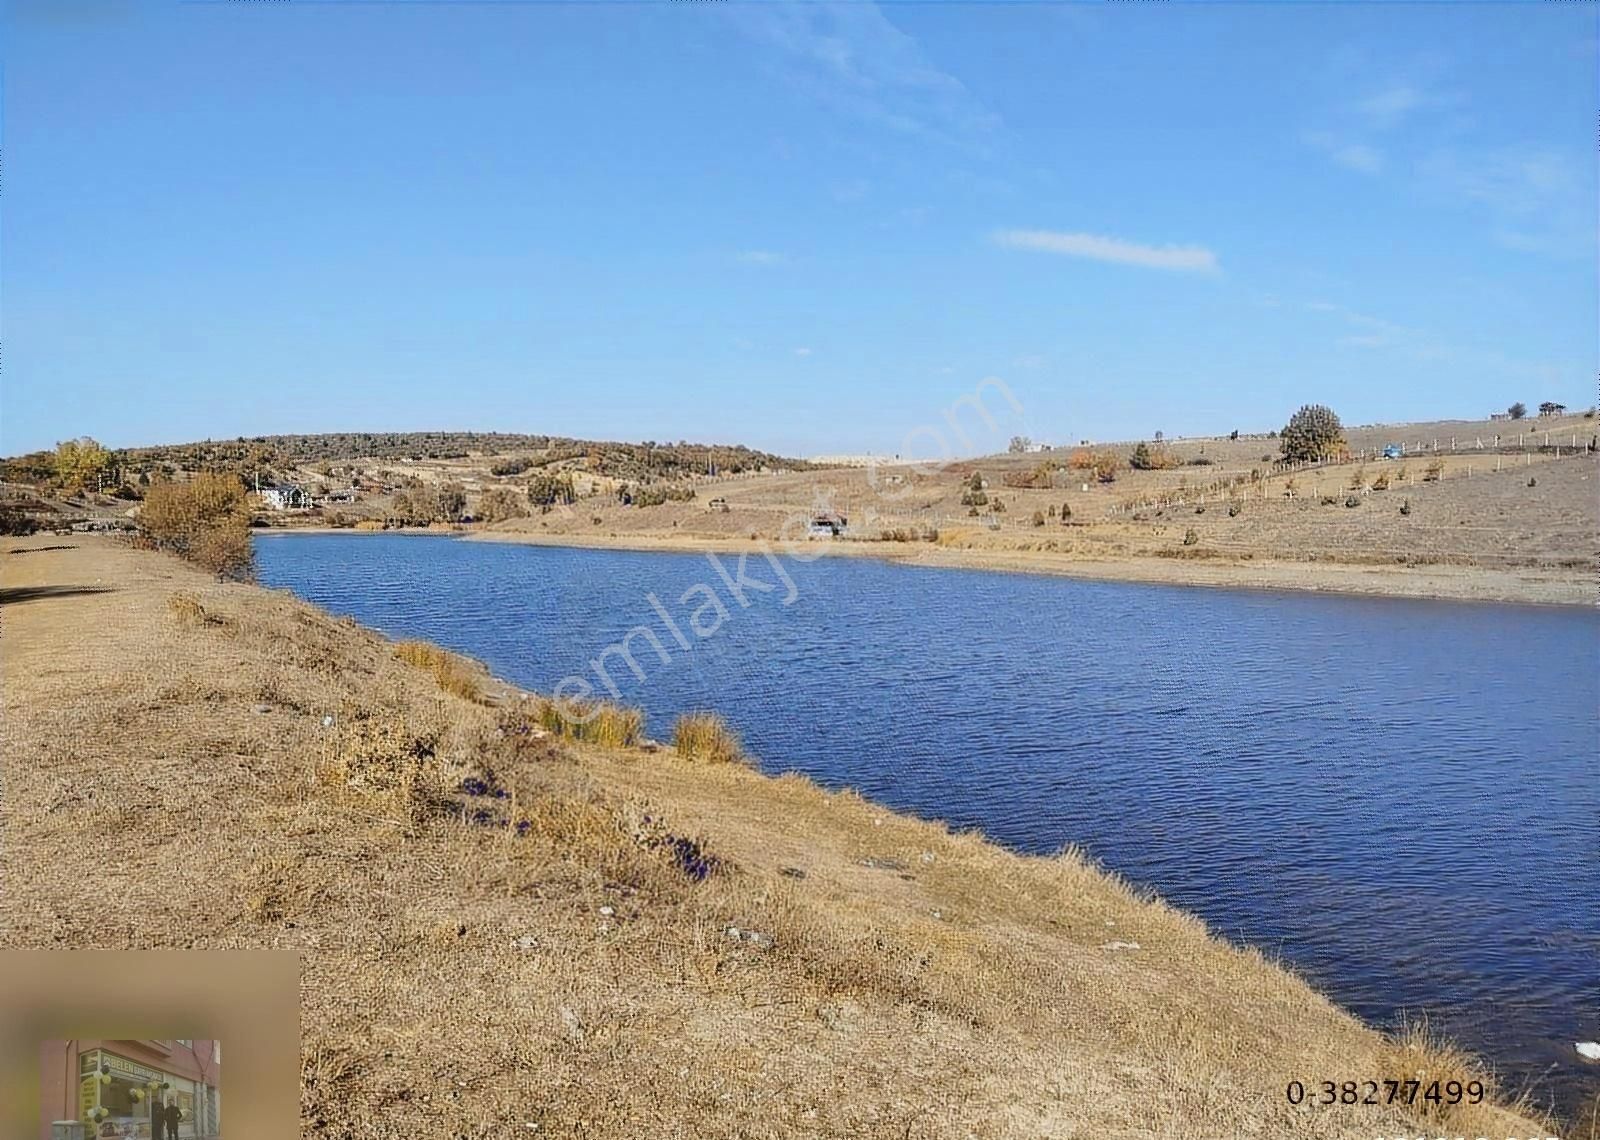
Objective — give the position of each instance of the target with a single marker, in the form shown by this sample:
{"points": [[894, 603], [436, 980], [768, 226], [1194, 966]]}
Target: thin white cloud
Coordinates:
{"points": [[802, 352], [852, 58], [1351, 155], [761, 257], [1536, 197], [1180, 258], [1358, 156], [1387, 108]]}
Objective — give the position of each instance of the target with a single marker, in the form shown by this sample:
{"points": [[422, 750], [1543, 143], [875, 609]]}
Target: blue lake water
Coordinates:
{"points": [[1401, 798]]}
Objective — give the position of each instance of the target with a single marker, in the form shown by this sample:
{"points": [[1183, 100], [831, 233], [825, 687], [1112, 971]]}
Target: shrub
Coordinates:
{"points": [[1147, 458], [1066, 511], [999, 506], [1201, 461], [1353, 501], [1106, 466], [499, 504], [1532, 482], [225, 551], [1190, 537], [369, 524], [1433, 472], [386, 758], [1038, 518], [707, 739], [13, 521], [1233, 510], [511, 466], [1358, 480], [1330, 500], [205, 520], [1312, 433], [1081, 459], [454, 674], [1405, 507], [1381, 483]]}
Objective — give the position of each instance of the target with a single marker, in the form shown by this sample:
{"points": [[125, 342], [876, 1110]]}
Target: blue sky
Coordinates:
{"points": [[808, 228]]}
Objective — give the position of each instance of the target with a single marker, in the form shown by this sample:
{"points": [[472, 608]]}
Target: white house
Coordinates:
{"points": [[285, 497]]}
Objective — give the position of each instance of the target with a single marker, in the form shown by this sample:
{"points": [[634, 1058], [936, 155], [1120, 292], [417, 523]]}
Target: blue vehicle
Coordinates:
{"points": [[1393, 451]]}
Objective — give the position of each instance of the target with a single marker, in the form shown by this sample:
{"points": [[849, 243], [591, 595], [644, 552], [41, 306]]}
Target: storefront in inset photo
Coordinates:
{"points": [[131, 1090]]}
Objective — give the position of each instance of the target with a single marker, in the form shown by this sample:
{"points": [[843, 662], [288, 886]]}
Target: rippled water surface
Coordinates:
{"points": [[1401, 798]]}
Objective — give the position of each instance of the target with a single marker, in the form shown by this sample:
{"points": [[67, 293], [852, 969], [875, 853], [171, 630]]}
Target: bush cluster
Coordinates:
{"points": [[206, 520]]}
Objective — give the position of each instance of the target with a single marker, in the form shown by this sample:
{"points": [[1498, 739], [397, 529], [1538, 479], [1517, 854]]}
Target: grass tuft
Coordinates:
{"points": [[454, 673], [707, 739], [595, 722]]}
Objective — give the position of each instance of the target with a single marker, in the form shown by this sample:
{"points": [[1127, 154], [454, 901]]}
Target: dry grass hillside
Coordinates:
{"points": [[506, 932]]}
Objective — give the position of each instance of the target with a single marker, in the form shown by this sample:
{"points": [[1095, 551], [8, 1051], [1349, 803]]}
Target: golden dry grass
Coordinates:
{"points": [[502, 926], [706, 738], [454, 673], [594, 722]]}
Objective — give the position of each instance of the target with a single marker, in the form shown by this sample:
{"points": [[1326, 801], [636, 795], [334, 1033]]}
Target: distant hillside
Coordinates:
{"points": [[648, 459]]}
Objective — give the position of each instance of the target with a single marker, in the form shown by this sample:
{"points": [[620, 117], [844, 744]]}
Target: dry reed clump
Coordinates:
{"points": [[454, 673], [1445, 1076], [594, 722], [706, 739]]}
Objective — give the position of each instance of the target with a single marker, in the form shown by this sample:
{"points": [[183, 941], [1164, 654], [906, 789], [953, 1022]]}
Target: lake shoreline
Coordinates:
{"points": [[855, 942], [1430, 583]]}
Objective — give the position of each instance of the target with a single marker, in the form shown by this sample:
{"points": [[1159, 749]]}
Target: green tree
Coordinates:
{"points": [[1141, 459], [1312, 433]]}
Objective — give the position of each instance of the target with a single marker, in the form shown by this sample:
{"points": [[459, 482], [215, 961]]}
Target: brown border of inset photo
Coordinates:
{"points": [[247, 999]]}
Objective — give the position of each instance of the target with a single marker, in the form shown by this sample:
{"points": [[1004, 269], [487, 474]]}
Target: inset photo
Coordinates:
{"points": [[133, 1089]]}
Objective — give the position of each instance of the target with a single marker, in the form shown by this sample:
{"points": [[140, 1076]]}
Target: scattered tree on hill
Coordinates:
{"points": [[1019, 444], [1518, 410], [1106, 466], [1312, 433], [546, 491], [79, 462], [1551, 408], [206, 520], [452, 501], [499, 504]]}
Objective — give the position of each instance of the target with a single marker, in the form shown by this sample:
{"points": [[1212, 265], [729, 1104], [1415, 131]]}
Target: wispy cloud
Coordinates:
{"points": [[1181, 258], [1358, 156], [851, 58], [760, 257], [802, 352], [1351, 155], [1535, 195], [1387, 108]]}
